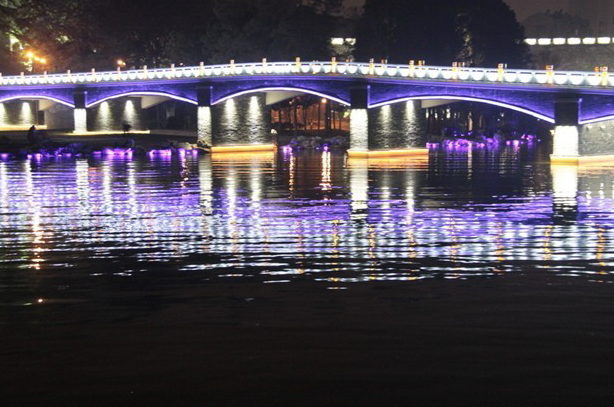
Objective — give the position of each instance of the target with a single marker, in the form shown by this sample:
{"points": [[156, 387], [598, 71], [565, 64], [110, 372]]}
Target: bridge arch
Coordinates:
{"points": [[36, 97], [280, 89], [467, 99], [140, 93]]}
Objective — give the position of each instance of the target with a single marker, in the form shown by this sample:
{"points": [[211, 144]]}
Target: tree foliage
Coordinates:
{"points": [[80, 34], [274, 29], [478, 32]]}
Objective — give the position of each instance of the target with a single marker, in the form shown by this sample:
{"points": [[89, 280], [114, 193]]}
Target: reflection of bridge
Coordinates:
{"points": [[572, 101]]}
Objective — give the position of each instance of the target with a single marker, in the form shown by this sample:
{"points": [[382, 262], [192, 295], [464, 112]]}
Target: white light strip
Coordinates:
{"points": [[569, 41], [468, 99], [168, 95], [597, 120], [281, 89], [351, 69], [37, 97]]}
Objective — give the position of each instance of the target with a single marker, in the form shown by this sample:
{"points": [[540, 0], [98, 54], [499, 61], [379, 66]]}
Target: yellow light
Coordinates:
{"points": [[30, 54], [243, 148], [120, 62], [565, 141], [324, 101], [43, 60], [419, 153]]}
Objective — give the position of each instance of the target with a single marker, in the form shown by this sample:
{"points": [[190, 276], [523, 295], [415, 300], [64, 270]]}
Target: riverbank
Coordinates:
{"points": [[102, 139], [60, 144]]}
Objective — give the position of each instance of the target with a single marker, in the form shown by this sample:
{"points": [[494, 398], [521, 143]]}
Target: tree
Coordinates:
{"points": [[407, 29], [493, 40], [440, 32], [81, 34], [64, 31], [249, 30]]}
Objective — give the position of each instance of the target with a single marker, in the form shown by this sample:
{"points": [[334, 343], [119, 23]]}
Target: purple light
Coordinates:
{"points": [[160, 153], [115, 152]]}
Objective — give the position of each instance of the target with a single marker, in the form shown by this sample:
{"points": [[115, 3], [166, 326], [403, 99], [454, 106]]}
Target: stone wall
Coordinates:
{"points": [[112, 114], [59, 117], [173, 115], [396, 126], [597, 138], [242, 120], [18, 113]]}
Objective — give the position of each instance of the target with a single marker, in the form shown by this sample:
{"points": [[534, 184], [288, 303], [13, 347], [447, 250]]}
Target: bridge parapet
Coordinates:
{"points": [[349, 69]]}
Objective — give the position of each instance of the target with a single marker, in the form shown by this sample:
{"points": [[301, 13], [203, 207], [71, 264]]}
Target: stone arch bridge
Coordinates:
{"points": [[579, 104]]}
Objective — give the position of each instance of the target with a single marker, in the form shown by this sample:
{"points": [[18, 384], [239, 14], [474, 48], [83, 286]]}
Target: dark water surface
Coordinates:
{"points": [[306, 279]]}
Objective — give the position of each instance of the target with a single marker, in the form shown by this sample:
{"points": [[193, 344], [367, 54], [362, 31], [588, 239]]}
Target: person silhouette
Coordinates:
{"points": [[127, 127], [32, 136]]}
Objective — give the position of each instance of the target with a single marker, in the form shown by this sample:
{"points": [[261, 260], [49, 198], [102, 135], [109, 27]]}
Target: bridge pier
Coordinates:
{"points": [[359, 120], [360, 101], [203, 116], [79, 111], [575, 143], [566, 139]]}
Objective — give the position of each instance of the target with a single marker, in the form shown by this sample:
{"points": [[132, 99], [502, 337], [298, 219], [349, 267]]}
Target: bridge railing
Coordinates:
{"points": [[299, 68]]}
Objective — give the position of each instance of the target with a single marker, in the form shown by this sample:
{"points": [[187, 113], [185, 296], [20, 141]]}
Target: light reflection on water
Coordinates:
{"points": [[315, 218]]}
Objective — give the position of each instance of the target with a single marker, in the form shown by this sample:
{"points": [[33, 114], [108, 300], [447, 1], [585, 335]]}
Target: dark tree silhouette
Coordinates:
{"points": [[441, 32], [491, 34], [80, 34]]}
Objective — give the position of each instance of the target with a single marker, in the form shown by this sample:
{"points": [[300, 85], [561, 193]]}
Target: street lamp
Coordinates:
{"points": [[31, 58]]}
